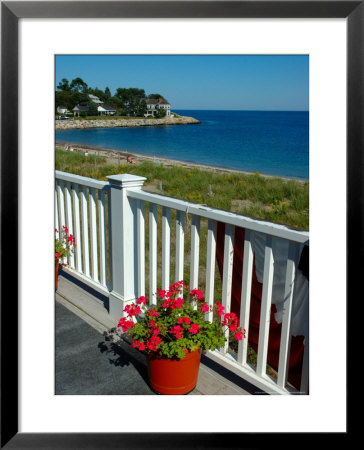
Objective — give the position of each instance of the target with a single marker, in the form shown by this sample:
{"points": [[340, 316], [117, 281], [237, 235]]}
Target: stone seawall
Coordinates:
{"points": [[123, 122]]}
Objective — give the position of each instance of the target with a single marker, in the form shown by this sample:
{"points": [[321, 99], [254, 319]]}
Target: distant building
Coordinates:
{"points": [[78, 108], [63, 110], [106, 110], [154, 104], [95, 99]]}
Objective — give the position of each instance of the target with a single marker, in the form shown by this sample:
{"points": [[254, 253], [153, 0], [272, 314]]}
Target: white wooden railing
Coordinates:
{"points": [[130, 266], [80, 206]]}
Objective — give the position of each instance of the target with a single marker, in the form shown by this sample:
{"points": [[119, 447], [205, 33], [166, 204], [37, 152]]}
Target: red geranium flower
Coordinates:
{"points": [[194, 329]]}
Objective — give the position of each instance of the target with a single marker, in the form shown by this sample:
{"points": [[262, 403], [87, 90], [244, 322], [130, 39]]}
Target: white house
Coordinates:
{"points": [[104, 110], [95, 99], [63, 110], [154, 104]]}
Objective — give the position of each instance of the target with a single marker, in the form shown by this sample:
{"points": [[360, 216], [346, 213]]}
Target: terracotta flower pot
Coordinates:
{"points": [[173, 376], [56, 280]]}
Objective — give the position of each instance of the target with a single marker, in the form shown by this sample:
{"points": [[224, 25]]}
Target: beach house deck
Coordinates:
{"points": [[129, 242]]}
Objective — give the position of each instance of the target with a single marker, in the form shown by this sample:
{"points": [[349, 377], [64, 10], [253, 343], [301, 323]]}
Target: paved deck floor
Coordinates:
{"points": [[88, 362]]}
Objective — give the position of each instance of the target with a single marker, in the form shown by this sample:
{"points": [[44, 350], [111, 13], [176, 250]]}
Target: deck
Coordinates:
{"points": [[88, 362]]}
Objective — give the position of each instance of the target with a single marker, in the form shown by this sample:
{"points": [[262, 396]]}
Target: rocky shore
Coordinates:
{"points": [[123, 122]]}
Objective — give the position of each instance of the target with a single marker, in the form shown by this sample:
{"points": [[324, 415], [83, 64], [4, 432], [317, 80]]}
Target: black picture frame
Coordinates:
{"points": [[11, 12]]}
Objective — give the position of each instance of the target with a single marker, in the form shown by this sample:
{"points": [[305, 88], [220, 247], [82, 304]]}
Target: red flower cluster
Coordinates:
{"points": [[138, 344], [194, 329], [152, 312], [132, 310], [64, 243], [184, 320], [153, 343], [239, 335], [172, 320], [125, 324], [173, 303], [220, 308], [197, 294], [142, 300], [177, 330], [176, 287], [205, 308], [231, 320]]}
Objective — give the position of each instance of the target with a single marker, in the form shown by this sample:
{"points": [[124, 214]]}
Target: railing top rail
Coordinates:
{"points": [[272, 229], [84, 181]]}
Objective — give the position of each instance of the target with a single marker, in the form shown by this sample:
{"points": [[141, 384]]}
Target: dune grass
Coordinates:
{"points": [[284, 201]]}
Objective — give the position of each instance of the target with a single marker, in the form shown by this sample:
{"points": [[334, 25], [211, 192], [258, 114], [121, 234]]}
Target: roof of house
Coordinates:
{"points": [[109, 108], [80, 108], [94, 98], [156, 101]]}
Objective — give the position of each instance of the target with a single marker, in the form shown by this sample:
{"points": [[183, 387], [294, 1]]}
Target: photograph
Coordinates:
{"points": [[182, 224], [182, 263]]}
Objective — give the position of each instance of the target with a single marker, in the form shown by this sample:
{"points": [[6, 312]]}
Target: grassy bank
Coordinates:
{"points": [[274, 199]]}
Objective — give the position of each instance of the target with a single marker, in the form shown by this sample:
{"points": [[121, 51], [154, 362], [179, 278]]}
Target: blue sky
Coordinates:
{"points": [[226, 82]]}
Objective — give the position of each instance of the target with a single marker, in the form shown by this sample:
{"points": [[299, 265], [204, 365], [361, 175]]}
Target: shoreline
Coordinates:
{"points": [[119, 157], [113, 122]]}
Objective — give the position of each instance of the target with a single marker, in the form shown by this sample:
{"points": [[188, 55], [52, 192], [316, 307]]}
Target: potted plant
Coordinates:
{"points": [[174, 332], [64, 244]]}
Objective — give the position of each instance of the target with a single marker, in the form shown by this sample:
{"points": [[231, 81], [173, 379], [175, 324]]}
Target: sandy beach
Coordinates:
{"points": [[120, 157]]}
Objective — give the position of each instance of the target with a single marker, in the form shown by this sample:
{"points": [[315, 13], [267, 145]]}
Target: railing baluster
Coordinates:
{"points": [[69, 220], [56, 221], [141, 247], [180, 241], [62, 214], [166, 247], [77, 229], [102, 236], [210, 265], [246, 296], [228, 273], [195, 251], [85, 239], [93, 232], [265, 308], [284, 348], [153, 253]]}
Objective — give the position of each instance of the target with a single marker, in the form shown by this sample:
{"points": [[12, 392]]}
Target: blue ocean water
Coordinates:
{"points": [[269, 142]]}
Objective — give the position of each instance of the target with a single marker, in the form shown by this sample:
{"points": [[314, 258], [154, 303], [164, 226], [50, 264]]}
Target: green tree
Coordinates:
{"points": [[137, 93], [128, 94], [161, 112], [64, 85], [141, 108], [115, 102], [63, 98], [131, 107], [107, 94], [92, 109], [78, 85], [155, 96]]}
